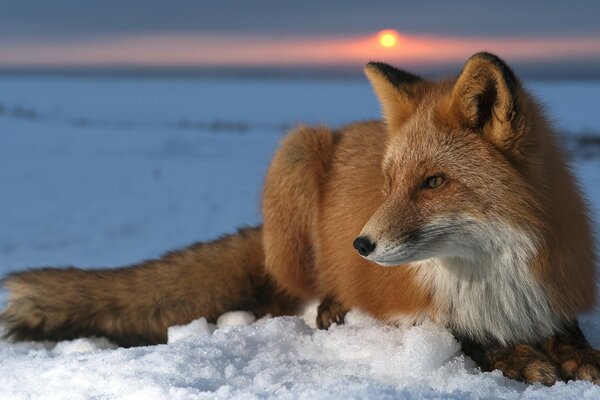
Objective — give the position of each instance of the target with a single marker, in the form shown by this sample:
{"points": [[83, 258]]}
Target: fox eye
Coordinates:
{"points": [[434, 181]]}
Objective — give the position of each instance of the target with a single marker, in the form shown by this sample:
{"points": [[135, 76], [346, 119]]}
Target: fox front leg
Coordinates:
{"points": [[522, 362], [330, 311], [564, 356], [573, 355]]}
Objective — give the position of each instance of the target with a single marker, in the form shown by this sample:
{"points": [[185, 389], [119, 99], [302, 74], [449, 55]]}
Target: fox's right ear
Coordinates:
{"points": [[393, 89]]}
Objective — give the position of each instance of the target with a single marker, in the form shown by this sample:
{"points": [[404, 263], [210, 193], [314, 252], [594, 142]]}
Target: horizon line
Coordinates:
{"points": [[584, 71]]}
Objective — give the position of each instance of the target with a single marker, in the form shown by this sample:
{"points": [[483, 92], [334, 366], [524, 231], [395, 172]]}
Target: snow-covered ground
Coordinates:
{"points": [[109, 171]]}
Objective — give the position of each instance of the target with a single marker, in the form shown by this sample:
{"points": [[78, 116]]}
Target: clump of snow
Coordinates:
{"points": [[308, 313], [82, 345], [198, 327], [235, 319]]}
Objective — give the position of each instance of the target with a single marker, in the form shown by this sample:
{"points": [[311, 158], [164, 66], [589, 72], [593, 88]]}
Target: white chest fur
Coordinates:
{"points": [[492, 293]]}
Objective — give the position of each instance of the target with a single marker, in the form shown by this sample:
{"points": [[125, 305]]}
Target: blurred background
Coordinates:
{"points": [[129, 128]]}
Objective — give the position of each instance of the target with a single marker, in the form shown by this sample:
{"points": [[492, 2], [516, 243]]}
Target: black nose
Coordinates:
{"points": [[364, 245]]}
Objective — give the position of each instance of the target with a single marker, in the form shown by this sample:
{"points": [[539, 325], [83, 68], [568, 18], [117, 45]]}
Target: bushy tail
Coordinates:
{"points": [[135, 305]]}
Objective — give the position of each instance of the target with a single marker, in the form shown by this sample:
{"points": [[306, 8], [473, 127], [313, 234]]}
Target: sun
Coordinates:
{"points": [[388, 38]]}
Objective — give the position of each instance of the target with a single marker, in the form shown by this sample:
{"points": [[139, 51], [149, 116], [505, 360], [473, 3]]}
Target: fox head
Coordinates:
{"points": [[461, 164]]}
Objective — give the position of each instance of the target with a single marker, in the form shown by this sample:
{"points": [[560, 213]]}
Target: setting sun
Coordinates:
{"points": [[388, 38]]}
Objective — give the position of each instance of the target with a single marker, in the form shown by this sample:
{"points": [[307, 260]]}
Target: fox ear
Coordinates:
{"points": [[486, 99], [393, 89]]}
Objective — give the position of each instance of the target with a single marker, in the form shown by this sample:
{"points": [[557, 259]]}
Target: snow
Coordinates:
{"points": [[199, 327], [109, 171], [235, 319]]}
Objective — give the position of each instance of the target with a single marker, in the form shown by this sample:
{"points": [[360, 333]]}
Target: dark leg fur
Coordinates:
{"points": [[521, 362], [573, 355], [564, 356], [330, 312]]}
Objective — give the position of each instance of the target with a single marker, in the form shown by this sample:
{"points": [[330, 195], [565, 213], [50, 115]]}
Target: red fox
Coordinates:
{"points": [[458, 207]]}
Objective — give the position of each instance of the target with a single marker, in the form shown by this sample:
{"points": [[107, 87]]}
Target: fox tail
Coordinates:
{"points": [[135, 305]]}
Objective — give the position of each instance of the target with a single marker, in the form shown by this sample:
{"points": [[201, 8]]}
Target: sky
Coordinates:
{"points": [[554, 38]]}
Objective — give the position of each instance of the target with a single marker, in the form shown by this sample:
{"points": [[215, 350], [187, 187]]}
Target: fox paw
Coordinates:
{"points": [[524, 363], [330, 312], [564, 356], [576, 361]]}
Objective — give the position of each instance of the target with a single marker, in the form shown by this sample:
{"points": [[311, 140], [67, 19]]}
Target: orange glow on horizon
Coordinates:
{"points": [[236, 50], [388, 38]]}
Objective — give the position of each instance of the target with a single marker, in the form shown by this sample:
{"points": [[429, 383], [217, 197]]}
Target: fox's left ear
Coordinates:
{"points": [[486, 97], [393, 88]]}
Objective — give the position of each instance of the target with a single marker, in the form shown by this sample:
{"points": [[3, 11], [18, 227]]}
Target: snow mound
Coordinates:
{"points": [[272, 357]]}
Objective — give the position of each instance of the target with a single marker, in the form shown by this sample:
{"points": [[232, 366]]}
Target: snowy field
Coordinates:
{"points": [[109, 171]]}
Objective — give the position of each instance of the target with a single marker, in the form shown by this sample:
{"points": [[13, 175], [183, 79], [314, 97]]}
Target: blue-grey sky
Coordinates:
{"points": [[38, 32], [39, 19]]}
